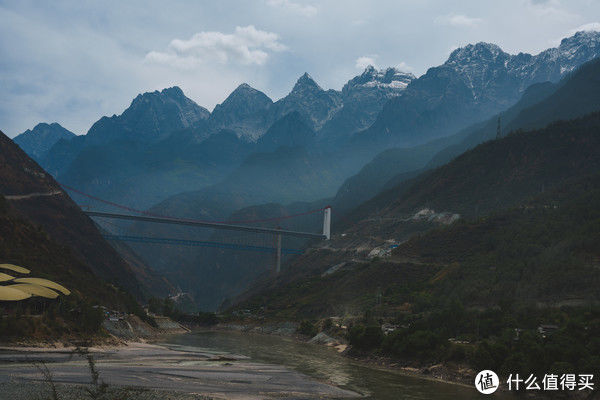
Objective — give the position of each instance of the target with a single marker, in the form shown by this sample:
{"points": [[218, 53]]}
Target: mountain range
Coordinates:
{"points": [[482, 185], [389, 168], [574, 96], [168, 154], [475, 82], [499, 223]]}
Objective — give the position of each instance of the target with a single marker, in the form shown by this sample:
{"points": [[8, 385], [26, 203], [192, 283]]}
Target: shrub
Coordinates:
{"points": [[365, 337], [307, 328]]}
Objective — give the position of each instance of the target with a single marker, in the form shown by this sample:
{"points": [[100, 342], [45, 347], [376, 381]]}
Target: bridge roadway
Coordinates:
{"points": [[206, 224]]}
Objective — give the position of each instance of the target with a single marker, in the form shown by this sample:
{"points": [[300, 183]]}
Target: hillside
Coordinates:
{"points": [[26, 244], [575, 95], [385, 166], [42, 229], [35, 197], [527, 203], [498, 174], [543, 251], [141, 174], [478, 293], [72, 317]]}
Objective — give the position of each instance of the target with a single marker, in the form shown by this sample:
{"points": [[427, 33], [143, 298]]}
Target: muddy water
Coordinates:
{"points": [[326, 364]]}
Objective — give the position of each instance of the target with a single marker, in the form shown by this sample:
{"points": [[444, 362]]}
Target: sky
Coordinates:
{"points": [[72, 62]]}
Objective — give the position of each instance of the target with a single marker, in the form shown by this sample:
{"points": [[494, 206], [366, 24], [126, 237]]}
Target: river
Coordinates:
{"points": [[325, 364]]}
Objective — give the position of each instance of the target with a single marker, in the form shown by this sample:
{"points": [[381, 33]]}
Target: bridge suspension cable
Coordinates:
{"points": [[146, 216], [214, 225], [144, 212]]}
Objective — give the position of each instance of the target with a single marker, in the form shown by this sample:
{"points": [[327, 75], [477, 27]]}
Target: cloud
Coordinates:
{"points": [[592, 26], [54, 55], [365, 61], [544, 3], [246, 46], [305, 10], [458, 20], [404, 67], [552, 11]]}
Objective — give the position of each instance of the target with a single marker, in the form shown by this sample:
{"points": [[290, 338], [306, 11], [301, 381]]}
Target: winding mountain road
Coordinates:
{"points": [[31, 195]]}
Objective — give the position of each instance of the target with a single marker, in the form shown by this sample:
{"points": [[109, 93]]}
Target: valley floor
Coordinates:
{"points": [[447, 373], [149, 371]]}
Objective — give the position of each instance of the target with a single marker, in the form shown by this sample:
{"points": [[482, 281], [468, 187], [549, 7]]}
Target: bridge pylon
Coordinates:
{"points": [[327, 222]]}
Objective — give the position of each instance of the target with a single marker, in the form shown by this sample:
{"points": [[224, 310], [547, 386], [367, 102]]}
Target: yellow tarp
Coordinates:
{"points": [[15, 268], [11, 294], [44, 282], [5, 277], [35, 290]]}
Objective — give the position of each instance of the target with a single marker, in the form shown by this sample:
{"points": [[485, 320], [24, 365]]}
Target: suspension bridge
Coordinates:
{"points": [[245, 226]]}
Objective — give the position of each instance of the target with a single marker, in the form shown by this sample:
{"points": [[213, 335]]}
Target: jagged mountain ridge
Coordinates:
{"points": [[354, 107], [315, 171], [37, 141], [579, 91], [541, 104], [115, 161], [481, 68], [247, 184], [576, 95], [310, 100], [151, 117], [474, 83], [243, 111], [363, 98], [474, 75], [390, 80]]}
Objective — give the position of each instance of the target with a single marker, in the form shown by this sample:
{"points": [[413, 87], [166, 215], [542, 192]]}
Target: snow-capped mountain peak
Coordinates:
{"points": [[386, 79], [580, 39], [474, 53]]}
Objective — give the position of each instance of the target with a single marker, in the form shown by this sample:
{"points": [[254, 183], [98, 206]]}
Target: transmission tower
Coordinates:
{"points": [[499, 129]]}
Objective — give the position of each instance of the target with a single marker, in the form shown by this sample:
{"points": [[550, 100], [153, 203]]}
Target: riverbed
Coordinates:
{"points": [[218, 365], [327, 365]]}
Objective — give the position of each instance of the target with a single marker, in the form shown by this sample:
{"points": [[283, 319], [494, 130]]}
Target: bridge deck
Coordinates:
{"points": [[213, 225]]}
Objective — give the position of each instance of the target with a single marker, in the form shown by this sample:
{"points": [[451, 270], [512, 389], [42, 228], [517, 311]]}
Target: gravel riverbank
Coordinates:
{"points": [[149, 370]]}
